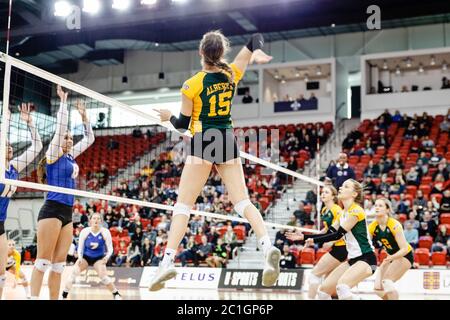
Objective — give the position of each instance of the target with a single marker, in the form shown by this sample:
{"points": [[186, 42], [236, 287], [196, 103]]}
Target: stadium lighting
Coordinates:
{"points": [[149, 2], [432, 61], [62, 8], [408, 63], [121, 4], [385, 66], [91, 6], [420, 68], [397, 70], [283, 80], [306, 78], [319, 71], [179, 1], [444, 66], [277, 76]]}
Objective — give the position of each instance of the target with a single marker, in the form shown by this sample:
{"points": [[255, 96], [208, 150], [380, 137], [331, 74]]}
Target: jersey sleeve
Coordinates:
{"points": [[237, 73], [395, 226], [372, 227], [336, 211], [193, 86], [357, 212]]}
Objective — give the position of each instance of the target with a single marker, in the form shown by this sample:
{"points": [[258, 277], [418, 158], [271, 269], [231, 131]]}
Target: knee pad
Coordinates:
{"points": [[106, 280], [181, 208], [344, 292], [314, 280], [323, 295], [389, 286], [42, 265], [58, 267], [2, 281], [241, 206]]}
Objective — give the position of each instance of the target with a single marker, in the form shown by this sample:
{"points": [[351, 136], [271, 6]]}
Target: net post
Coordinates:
{"points": [[318, 202], [5, 110]]}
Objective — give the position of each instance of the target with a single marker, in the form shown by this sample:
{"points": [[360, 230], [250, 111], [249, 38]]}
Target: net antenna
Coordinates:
{"points": [[20, 65]]}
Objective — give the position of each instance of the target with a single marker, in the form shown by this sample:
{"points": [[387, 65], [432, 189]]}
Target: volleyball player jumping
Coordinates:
{"points": [[205, 110]]}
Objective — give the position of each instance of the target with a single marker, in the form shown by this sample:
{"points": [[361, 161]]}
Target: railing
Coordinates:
{"points": [[16, 234], [23, 211]]}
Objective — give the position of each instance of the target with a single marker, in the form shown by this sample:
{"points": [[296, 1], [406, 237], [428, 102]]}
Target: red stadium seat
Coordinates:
{"points": [[445, 218], [427, 180], [422, 256], [402, 217], [307, 256], [425, 242], [439, 258], [411, 190], [426, 189], [438, 197]]}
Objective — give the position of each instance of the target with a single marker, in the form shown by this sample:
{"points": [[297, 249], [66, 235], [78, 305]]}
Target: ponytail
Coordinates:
{"points": [[42, 171]]}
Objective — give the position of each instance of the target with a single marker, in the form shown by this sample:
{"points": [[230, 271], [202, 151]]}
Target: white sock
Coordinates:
{"points": [[265, 243], [34, 298], [169, 257], [27, 291]]}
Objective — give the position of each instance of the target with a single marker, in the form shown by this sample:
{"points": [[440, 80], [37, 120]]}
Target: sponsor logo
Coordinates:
{"points": [[431, 280], [288, 279]]}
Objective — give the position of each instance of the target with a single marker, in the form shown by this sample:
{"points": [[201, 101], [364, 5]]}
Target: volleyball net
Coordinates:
{"points": [[113, 144]]}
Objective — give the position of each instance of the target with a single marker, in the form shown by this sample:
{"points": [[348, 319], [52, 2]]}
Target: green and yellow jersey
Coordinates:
{"points": [[387, 236], [357, 240], [14, 260], [329, 217], [211, 94]]}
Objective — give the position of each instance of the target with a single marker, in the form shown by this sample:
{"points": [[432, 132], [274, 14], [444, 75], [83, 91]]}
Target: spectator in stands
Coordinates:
{"points": [[372, 170], [280, 239], [301, 215], [229, 238], [288, 260], [219, 255], [420, 200], [404, 123], [435, 158], [428, 227], [112, 144], [341, 171], [411, 131], [412, 177], [101, 120], [413, 219], [369, 186], [445, 83], [311, 197], [441, 169], [134, 255], [411, 234], [433, 207], [422, 131], [313, 97], [384, 185], [427, 144], [137, 236], [147, 252], [292, 165], [247, 97], [121, 256], [444, 125], [397, 162], [398, 186], [189, 252], [137, 132], [421, 167], [397, 117], [213, 235], [416, 144], [158, 253], [293, 221], [441, 240], [103, 176], [386, 117], [203, 250], [369, 207]]}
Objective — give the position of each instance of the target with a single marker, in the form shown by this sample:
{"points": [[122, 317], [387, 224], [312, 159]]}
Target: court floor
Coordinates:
{"points": [[192, 294]]}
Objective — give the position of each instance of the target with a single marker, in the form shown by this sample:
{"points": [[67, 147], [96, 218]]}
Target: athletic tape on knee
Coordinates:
{"points": [[241, 206], [106, 280], [181, 208], [323, 295], [58, 267], [2, 281], [42, 265], [314, 280], [389, 286]]}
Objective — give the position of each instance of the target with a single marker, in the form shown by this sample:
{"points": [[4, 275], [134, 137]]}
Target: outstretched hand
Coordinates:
{"points": [[294, 236], [81, 107], [25, 112], [164, 114], [61, 94], [260, 57]]}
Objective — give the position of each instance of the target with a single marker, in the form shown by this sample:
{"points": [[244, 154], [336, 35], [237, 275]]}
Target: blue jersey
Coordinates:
{"points": [[6, 191], [94, 245], [62, 173]]}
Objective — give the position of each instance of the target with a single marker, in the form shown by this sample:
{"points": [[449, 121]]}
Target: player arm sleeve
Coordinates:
{"points": [[62, 122], [81, 240], [22, 161], [109, 244], [331, 235], [86, 142], [181, 123]]}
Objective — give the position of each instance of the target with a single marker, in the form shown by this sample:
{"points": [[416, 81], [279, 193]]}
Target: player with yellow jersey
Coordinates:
{"points": [[338, 254], [388, 232], [13, 266], [206, 101]]}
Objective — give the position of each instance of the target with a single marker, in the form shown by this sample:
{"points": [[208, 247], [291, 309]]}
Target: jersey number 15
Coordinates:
{"points": [[224, 104]]}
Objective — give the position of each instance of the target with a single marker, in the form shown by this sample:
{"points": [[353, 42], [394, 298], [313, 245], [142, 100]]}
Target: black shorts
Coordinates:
{"points": [[215, 145], [53, 209], [339, 253], [368, 258], [91, 261], [410, 257], [2, 228]]}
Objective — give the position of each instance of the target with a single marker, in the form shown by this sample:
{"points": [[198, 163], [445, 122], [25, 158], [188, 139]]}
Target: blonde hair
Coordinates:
{"points": [[214, 46], [333, 192], [388, 205], [358, 188]]}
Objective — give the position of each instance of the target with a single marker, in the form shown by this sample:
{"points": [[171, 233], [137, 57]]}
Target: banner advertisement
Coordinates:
{"points": [[303, 105], [247, 279], [196, 278]]}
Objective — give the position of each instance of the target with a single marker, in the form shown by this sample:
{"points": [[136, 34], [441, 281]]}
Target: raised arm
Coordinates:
{"points": [[62, 121], [22, 161], [88, 138], [252, 52], [184, 119]]}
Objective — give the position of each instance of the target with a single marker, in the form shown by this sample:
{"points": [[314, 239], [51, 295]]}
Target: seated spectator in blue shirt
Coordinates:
{"points": [[397, 116], [411, 234], [341, 172]]}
